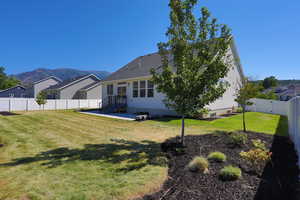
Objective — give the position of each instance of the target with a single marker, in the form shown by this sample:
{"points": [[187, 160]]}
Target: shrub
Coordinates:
{"points": [[198, 164], [239, 110], [257, 158], [217, 156], [238, 139], [230, 173], [259, 144]]}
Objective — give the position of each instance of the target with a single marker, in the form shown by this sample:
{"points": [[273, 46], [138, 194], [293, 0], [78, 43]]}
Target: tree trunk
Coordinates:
{"points": [[182, 130], [244, 123]]}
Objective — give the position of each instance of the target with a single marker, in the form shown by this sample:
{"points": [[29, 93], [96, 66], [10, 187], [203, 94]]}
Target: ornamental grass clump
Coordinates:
{"points": [[198, 164], [237, 139], [230, 173], [217, 157]]}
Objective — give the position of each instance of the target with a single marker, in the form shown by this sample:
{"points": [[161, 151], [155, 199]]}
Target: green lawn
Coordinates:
{"points": [[257, 122], [68, 155]]}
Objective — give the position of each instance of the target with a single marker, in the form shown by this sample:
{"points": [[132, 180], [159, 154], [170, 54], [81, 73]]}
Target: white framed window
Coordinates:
{"points": [[135, 89], [142, 88], [150, 88]]}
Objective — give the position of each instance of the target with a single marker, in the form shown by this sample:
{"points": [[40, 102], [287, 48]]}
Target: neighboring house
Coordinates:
{"points": [[131, 86], [92, 91], [14, 92], [289, 93], [43, 84], [72, 89]]}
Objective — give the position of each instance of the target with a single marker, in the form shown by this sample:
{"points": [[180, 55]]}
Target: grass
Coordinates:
{"points": [[230, 173], [257, 122], [68, 155], [217, 156]]}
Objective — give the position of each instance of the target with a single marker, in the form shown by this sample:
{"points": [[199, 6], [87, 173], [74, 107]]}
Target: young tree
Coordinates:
{"points": [[270, 82], [248, 91], [194, 60], [41, 99]]}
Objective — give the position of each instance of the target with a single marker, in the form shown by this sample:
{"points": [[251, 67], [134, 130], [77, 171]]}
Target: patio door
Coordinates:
{"points": [[122, 91]]}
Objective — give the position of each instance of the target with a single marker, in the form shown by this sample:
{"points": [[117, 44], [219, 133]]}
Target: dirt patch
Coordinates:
{"points": [[279, 179]]}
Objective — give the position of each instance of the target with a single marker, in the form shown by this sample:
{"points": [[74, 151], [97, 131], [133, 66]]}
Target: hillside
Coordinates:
{"points": [[62, 73]]}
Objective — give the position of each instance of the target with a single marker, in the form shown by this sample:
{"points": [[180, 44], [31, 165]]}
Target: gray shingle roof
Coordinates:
{"points": [[71, 81], [140, 66], [90, 86]]}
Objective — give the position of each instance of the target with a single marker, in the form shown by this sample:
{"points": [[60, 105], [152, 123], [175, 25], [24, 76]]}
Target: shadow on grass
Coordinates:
{"points": [[280, 175], [136, 154]]}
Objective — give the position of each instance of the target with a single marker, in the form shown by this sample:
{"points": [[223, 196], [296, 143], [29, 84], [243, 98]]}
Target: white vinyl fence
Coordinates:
{"points": [[27, 104], [269, 106], [290, 108]]}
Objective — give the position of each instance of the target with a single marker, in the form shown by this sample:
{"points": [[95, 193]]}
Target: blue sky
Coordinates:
{"points": [[105, 35]]}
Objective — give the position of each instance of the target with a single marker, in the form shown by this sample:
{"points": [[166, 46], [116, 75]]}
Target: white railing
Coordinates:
{"points": [[27, 104], [290, 108]]}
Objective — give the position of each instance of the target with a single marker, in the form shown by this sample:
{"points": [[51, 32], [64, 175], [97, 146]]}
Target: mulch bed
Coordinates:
{"points": [[4, 113], [279, 179]]}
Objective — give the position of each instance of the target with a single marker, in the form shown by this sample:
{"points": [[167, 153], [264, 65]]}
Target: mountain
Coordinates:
{"points": [[62, 73]]}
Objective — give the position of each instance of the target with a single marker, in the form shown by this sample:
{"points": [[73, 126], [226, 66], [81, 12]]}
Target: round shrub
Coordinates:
{"points": [[230, 173], [198, 164], [217, 156]]}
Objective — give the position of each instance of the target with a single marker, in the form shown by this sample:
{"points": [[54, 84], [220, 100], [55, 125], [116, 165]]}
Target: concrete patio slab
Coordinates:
{"points": [[123, 116]]}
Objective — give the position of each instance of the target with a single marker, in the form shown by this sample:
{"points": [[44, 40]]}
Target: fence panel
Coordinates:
{"points": [[269, 106], [4, 105], [23, 104]]}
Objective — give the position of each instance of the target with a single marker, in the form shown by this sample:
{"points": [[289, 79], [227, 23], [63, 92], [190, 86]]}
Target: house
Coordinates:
{"points": [[43, 84], [17, 91], [289, 93], [131, 86], [82, 87]]}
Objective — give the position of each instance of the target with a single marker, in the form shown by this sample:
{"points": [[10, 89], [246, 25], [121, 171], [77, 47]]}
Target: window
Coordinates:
{"points": [[150, 89], [142, 88], [135, 90], [11, 95], [110, 89]]}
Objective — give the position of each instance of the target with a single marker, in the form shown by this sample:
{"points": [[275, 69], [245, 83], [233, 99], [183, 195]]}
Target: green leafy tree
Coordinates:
{"points": [[194, 60], [270, 82], [41, 98], [268, 95], [247, 91], [7, 81]]}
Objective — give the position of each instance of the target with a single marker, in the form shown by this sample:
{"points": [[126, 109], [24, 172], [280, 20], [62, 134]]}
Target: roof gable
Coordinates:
{"points": [[70, 82], [20, 86], [50, 77]]}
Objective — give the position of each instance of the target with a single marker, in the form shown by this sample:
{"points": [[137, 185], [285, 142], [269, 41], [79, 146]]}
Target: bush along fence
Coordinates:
{"points": [[28, 104], [290, 108]]}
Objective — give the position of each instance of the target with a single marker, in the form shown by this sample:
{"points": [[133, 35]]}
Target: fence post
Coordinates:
{"points": [[55, 106], [88, 103], [78, 103], [9, 105], [66, 104], [27, 104]]}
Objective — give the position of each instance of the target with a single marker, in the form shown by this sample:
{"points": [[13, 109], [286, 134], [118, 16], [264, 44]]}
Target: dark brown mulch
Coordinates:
{"points": [[279, 179], [4, 113]]}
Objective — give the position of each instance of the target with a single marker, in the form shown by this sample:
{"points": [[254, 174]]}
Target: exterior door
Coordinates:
{"points": [[122, 91]]}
